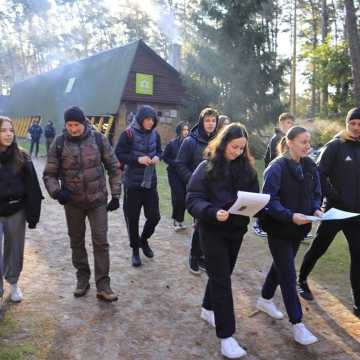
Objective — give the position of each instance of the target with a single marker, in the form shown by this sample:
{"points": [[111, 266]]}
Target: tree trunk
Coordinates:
{"points": [[324, 34], [293, 65], [354, 46]]}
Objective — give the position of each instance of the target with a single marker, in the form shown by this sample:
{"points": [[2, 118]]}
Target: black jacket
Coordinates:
{"points": [[49, 131], [206, 196], [20, 189], [339, 168], [191, 152], [271, 150], [170, 153]]}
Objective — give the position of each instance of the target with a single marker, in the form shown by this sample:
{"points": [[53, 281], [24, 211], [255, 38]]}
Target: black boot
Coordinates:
{"points": [[135, 260], [147, 249]]}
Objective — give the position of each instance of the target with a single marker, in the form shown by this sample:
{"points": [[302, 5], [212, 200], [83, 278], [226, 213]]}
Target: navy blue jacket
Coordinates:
{"points": [[49, 131], [205, 196], [271, 150], [339, 168], [191, 152], [170, 153], [35, 131], [133, 143], [294, 188]]}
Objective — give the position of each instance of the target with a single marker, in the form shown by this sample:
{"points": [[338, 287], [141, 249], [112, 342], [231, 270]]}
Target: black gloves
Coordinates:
{"points": [[32, 225], [113, 204], [63, 196]]}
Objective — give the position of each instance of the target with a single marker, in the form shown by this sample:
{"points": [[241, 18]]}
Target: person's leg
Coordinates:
{"points": [[283, 252], [98, 221], [14, 241], [31, 146], [37, 148], [1, 260], [151, 212], [75, 219], [324, 236], [351, 232], [178, 192], [132, 207], [218, 294]]}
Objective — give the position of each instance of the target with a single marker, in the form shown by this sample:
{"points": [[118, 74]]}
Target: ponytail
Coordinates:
{"points": [[291, 134]]}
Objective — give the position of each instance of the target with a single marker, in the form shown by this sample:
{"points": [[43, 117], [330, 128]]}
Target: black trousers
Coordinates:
{"points": [[221, 249], [283, 273], [36, 143], [178, 192], [325, 235], [195, 247], [48, 143], [134, 200]]}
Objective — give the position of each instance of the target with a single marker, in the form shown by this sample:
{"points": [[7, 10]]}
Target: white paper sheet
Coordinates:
{"points": [[248, 204], [333, 214]]}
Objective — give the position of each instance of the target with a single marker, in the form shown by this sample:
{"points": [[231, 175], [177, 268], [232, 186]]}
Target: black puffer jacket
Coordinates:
{"points": [[19, 188], [206, 196], [339, 168], [271, 151]]}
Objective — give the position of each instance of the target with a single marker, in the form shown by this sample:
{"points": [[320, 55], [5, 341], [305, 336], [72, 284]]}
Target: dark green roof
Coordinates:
{"points": [[99, 84]]}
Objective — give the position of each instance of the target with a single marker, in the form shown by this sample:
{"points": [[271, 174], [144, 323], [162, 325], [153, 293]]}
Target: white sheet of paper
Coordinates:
{"points": [[248, 204], [333, 214]]}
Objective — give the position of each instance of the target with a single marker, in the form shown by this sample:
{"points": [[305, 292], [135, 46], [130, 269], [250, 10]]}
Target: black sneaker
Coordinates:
{"points": [[304, 291], [194, 265], [147, 250], [201, 263], [356, 310], [135, 260]]}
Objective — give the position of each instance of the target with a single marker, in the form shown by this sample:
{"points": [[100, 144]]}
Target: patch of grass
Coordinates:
{"points": [[7, 325], [16, 352]]}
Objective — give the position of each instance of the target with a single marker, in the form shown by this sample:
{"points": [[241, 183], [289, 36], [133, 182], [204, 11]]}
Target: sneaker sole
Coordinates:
{"points": [[193, 271], [235, 356], [308, 342], [103, 298]]}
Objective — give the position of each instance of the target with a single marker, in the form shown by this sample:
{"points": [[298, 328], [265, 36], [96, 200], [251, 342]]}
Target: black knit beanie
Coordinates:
{"points": [[74, 113], [354, 113]]}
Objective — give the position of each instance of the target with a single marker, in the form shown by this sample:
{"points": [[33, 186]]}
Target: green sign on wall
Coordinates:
{"points": [[144, 84]]}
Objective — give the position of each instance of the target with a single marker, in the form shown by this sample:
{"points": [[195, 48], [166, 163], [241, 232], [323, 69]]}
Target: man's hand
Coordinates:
{"points": [[144, 160], [222, 215]]}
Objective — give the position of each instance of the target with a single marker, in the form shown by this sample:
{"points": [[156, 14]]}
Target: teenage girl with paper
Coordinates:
{"points": [[292, 181], [212, 190]]}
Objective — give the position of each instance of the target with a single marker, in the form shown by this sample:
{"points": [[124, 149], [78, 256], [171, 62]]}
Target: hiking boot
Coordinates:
{"points": [[231, 349], [147, 249], [201, 263], [194, 265], [16, 294], [208, 316], [302, 335], [268, 307], [356, 311], [82, 288], [135, 260], [106, 295], [304, 291]]}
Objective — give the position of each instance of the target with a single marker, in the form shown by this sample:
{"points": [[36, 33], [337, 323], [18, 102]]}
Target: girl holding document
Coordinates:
{"points": [[293, 183], [212, 190]]}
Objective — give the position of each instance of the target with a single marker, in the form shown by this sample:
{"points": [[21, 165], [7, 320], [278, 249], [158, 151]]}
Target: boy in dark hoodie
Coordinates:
{"points": [[340, 183], [190, 155], [177, 185], [139, 148]]}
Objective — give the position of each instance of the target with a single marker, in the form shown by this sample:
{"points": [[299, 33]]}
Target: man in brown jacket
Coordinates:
{"points": [[74, 175]]}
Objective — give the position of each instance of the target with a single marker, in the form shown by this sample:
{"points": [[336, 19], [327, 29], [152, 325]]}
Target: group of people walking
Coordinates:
{"points": [[207, 166], [35, 132]]}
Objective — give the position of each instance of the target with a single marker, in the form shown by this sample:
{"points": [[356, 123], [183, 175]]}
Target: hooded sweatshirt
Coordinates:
{"points": [[339, 167], [191, 152]]}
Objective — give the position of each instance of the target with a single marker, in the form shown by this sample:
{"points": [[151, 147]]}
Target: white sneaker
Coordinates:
{"points": [[177, 226], [302, 335], [208, 316], [182, 226], [16, 294], [268, 307], [231, 349]]}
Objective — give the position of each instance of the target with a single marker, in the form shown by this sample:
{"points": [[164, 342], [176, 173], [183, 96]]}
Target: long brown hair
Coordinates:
{"points": [[19, 154], [291, 134], [215, 152]]}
